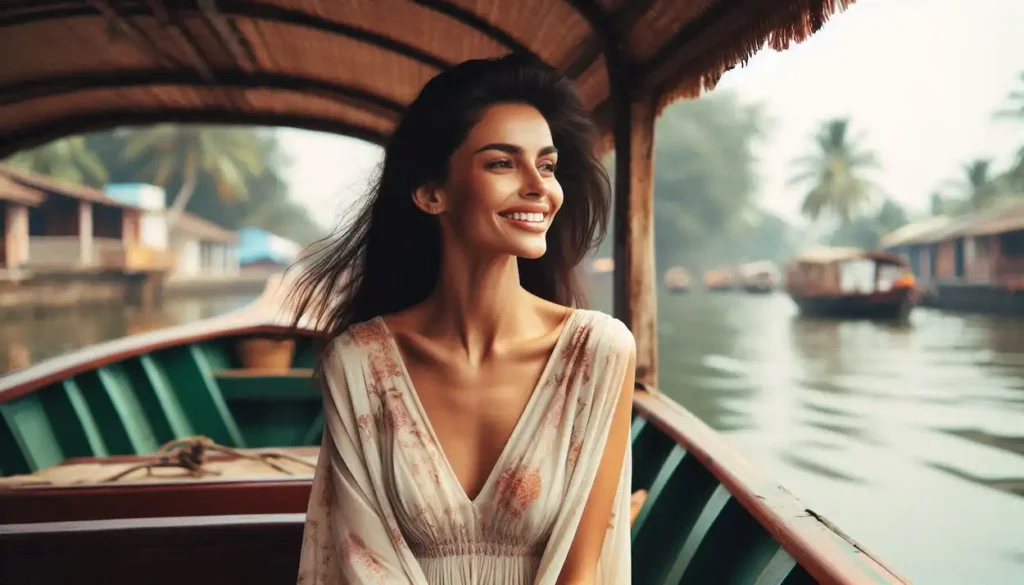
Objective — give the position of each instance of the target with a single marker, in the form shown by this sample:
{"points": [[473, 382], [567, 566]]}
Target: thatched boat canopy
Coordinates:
{"points": [[831, 255], [351, 66]]}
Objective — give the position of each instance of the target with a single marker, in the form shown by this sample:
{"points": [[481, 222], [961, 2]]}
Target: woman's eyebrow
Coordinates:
{"points": [[513, 149]]}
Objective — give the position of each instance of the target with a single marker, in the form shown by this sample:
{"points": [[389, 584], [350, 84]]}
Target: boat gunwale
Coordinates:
{"points": [[810, 541], [37, 376]]}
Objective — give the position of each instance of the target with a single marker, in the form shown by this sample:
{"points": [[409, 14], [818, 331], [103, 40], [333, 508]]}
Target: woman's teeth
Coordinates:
{"points": [[520, 216]]}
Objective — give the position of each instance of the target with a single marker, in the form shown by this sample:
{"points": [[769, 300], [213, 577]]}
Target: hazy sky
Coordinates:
{"points": [[919, 79]]}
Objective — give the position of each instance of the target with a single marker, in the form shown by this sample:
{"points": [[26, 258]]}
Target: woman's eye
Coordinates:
{"points": [[500, 164], [548, 167]]}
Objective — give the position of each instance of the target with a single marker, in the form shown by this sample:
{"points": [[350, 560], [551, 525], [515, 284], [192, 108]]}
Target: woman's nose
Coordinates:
{"points": [[533, 184]]}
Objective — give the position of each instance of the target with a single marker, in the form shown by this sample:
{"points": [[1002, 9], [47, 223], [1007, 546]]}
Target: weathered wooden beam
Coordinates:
{"points": [[635, 296]]}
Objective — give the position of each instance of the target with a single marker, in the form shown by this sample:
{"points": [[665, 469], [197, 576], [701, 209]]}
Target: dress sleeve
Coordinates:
{"points": [[609, 356], [351, 536]]}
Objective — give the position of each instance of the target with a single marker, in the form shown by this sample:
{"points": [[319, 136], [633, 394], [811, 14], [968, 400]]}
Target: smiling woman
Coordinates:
{"points": [[476, 419], [502, 195], [485, 136]]}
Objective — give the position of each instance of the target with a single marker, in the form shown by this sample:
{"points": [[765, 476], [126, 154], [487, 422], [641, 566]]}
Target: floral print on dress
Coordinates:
{"points": [[363, 559], [389, 404], [518, 488], [394, 511]]}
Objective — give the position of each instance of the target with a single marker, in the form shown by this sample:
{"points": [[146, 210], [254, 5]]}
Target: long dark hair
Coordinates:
{"points": [[388, 256]]}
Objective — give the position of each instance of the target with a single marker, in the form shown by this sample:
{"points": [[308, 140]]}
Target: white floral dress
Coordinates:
{"points": [[387, 508]]}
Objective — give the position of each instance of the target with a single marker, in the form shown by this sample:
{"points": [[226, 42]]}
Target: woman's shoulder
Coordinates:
{"points": [[611, 332], [363, 336]]}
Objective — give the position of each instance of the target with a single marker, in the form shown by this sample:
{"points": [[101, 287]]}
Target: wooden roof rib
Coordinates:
{"points": [[350, 66]]}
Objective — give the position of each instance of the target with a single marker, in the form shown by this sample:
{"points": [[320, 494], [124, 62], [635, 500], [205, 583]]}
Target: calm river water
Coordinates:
{"points": [[903, 436]]}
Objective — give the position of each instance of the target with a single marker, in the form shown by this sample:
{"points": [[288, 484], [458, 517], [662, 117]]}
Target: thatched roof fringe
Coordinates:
{"points": [[779, 30]]}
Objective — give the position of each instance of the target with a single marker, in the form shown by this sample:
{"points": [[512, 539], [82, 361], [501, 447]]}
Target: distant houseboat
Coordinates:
{"points": [[759, 277], [720, 279], [851, 283], [677, 280]]}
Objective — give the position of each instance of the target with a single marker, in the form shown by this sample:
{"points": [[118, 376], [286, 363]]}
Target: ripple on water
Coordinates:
{"points": [[867, 422]]}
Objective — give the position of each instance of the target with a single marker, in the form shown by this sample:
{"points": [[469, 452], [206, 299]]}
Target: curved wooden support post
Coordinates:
{"points": [[635, 296]]}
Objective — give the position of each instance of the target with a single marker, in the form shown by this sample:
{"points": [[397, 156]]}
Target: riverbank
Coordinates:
{"points": [[41, 290], [25, 293]]}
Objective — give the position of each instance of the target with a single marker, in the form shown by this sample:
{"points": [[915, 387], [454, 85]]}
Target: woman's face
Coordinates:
{"points": [[501, 194]]}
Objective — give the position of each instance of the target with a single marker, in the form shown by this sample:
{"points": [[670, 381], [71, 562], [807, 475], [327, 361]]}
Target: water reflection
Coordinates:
{"points": [[910, 437], [29, 338]]}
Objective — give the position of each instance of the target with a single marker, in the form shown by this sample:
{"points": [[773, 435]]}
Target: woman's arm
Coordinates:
{"points": [[580, 566], [351, 535]]}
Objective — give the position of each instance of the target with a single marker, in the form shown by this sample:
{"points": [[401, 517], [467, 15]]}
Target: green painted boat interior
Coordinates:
{"points": [[690, 530], [132, 407]]}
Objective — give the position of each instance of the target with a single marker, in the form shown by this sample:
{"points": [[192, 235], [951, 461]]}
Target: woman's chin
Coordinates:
{"points": [[531, 251]]}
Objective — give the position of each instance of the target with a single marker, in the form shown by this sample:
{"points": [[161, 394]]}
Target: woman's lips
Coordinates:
{"points": [[529, 221]]}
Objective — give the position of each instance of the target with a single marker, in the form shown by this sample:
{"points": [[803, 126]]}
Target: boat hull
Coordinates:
{"points": [[893, 305]]}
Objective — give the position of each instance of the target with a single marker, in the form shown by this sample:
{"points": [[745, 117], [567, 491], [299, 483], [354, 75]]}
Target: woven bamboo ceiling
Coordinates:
{"points": [[349, 66]]}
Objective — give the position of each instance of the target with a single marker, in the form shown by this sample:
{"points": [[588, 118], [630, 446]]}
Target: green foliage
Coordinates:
{"points": [[227, 156], [68, 158], [704, 180], [1013, 178], [704, 184], [262, 201], [865, 231], [977, 189], [835, 171]]}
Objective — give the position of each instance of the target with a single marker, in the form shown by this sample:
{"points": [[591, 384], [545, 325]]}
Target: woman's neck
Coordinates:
{"points": [[476, 302]]}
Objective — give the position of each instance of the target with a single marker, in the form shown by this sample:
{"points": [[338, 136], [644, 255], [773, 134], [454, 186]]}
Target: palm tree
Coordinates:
{"points": [[835, 171], [1016, 106], [939, 204], [978, 188], [1015, 111], [68, 158], [228, 156]]}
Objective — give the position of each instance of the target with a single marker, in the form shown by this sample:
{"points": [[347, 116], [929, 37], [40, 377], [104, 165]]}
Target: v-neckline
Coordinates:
{"points": [[534, 396]]}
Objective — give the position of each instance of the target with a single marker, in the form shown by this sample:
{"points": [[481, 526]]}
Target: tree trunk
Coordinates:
{"points": [[188, 187]]}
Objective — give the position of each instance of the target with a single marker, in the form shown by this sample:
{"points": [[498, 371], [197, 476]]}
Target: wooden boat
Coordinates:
{"points": [[86, 479], [720, 279], [759, 277], [852, 283], [677, 280], [710, 515]]}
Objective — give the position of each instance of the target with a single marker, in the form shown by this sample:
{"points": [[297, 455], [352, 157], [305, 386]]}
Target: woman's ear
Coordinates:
{"points": [[429, 199]]}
